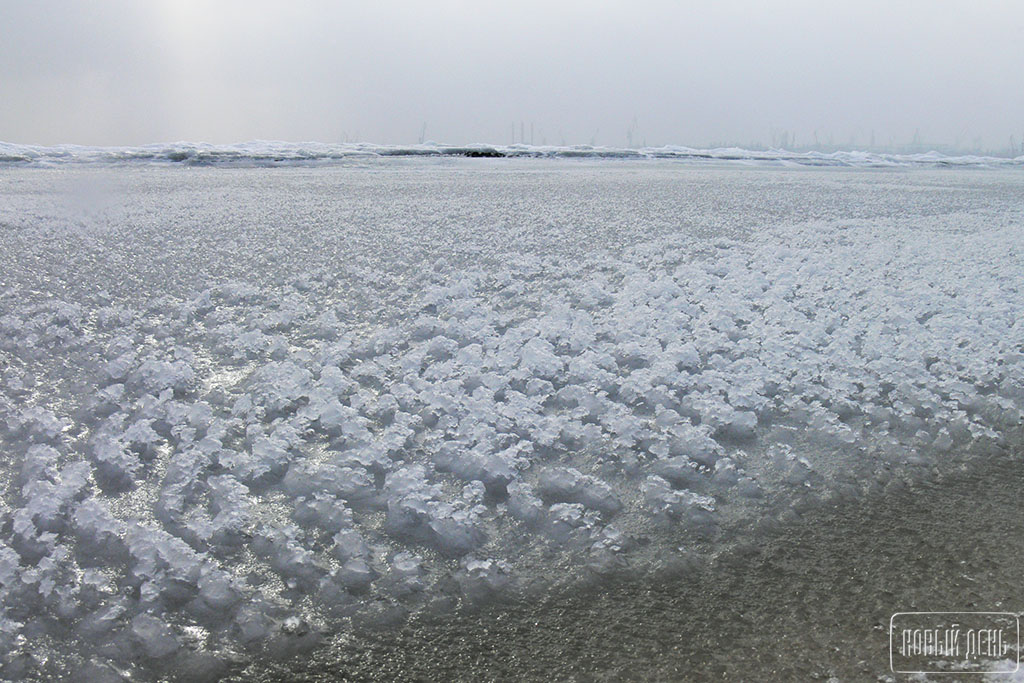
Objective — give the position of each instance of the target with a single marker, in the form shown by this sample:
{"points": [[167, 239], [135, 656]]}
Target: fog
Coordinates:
{"points": [[850, 75]]}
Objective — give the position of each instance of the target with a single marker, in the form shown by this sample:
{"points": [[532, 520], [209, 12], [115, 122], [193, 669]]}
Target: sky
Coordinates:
{"points": [[123, 72]]}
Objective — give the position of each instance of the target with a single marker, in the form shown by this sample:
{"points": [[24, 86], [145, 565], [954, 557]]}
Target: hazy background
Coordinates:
{"points": [[844, 74]]}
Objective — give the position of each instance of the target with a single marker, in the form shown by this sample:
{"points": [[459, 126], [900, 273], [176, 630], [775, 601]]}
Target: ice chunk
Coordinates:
{"points": [[564, 519], [480, 579], [155, 637], [349, 544], [217, 590], [309, 479], [265, 464], [229, 502], [538, 359], [118, 369], [38, 424], [456, 530], [355, 574], [281, 387], [155, 376], [39, 463], [494, 470], [282, 545], [142, 439], [523, 504], [99, 532], [683, 505], [568, 485], [116, 465], [682, 472]]}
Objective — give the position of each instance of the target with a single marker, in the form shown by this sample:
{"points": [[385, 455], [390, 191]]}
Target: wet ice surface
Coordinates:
{"points": [[243, 410], [809, 600]]}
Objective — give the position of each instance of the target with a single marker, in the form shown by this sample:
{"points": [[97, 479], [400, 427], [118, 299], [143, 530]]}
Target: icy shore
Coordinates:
{"points": [[275, 153], [199, 479]]}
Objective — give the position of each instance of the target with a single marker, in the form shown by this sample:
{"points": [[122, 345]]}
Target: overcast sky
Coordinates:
{"points": [[131, 72]]}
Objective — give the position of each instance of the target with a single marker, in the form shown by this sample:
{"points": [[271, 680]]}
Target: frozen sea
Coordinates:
{"points": [[428, 405]]}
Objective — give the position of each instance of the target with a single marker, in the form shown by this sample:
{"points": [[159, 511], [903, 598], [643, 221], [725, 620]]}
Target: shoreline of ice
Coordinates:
{"points": [[276, 153], [232, 473]]}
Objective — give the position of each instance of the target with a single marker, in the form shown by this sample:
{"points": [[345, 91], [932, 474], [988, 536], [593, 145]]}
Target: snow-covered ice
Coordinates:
{"points": [[237, 463]]}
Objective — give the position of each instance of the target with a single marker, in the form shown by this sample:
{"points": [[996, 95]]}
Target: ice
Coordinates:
{"points": [[117, 370], [325, 511], [414, 511], [493, 470], [38, 424], [350, 484], [99, 532], [569, 521], [229, 504], [47, 501], [480, 579], [280, 387], [406, 578], [677, 504], [116, 465], [355, 574], [281, 545], [523, 504], [455, 529], [39, 462], [217, 590], [251, 624], [339, 420], [264, 464], [154, 636], [276, 153], [155, 376], [567, 485], [9, 564], [102, 621], [143, 439], [282, 444], [537, 358]]}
